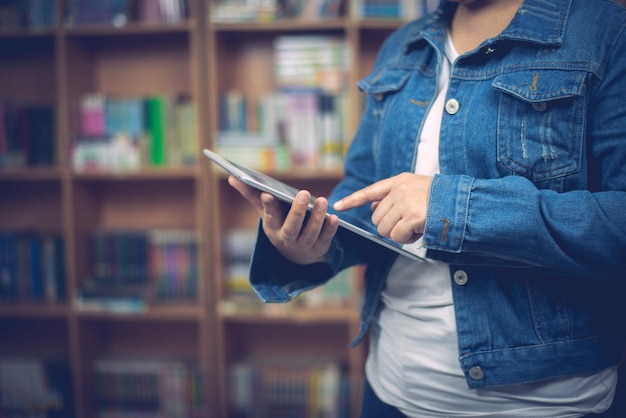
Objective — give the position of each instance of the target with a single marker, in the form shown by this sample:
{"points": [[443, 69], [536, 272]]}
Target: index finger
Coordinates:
{"points": [[372, 193]]}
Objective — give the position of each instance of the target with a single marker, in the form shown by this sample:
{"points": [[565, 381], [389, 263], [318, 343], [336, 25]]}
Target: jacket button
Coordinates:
{"points": [[379, 96], [460, 277], [540, 106], [476, 373], [452, 106]]}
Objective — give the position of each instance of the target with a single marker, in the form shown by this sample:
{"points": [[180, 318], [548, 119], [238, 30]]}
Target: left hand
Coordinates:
{"points": [[399, 205]]}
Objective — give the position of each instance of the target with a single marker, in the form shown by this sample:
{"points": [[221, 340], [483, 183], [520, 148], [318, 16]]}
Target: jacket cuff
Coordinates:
{"points": [[447, 215]]}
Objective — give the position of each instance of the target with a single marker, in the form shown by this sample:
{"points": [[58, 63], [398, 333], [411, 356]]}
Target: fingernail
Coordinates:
{"points": [[302, 199], [338, 204]]}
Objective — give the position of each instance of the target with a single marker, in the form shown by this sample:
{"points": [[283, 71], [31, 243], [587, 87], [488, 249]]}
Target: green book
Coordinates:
{"points": [[155, 125]]}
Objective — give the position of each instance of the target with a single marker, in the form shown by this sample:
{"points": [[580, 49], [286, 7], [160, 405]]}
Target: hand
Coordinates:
{"points": [[399, 205], [299, 242]]}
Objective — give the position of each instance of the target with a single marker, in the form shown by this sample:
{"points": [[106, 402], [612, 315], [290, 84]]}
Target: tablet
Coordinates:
{"points": [[287, 193]]}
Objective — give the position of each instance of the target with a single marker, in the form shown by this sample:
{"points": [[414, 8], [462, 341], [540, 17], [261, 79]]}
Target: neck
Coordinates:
{"points": [[476, 21]]}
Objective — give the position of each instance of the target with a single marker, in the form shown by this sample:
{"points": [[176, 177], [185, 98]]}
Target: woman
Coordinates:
{"points": [[493, 145]]}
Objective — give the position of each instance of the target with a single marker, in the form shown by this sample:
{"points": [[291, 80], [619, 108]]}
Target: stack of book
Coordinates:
{"points": [[32, 267], [125, 134], [288, 387], [148, 389], [132, 268], [27, 135]]}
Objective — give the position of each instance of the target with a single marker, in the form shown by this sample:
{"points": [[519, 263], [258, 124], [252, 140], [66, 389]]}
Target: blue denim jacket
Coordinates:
{"points": [[530, 207]]}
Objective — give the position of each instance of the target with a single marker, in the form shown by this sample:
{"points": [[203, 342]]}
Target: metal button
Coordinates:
{"points": [[460, 277], [540, 106], [476, 373], [379, 96], [452, 106]]}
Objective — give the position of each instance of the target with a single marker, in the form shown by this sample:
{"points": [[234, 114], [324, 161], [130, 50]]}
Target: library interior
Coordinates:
{"points": [[124, 253]]}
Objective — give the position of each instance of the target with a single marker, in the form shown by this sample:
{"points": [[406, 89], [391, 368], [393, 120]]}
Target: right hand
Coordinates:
{"points": [[299, 242]]}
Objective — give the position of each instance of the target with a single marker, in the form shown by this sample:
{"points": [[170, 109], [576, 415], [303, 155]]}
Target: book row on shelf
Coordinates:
{"points": [[120, 12], [27, 134], [391, 9], [131, 269], [31, 14], [115, 134], [123, 388], [125, 134], [148, 389], [275, 388], [300, 128], [270, 10], [302, 122], [41, 14], [38, 14], [32, 267]]}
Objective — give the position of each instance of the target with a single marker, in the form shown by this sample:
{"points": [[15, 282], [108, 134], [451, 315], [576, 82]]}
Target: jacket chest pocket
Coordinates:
{"points": [[394, 119], [541, 123]]}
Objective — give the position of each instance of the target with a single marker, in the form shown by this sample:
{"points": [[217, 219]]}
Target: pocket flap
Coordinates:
{"points": [[542, 85]]}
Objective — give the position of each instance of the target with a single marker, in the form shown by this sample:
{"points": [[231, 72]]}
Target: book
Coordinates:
{"points": [[156, 129]]}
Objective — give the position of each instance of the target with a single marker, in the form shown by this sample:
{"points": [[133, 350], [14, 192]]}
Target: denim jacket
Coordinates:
{"points": [[529, 208]]}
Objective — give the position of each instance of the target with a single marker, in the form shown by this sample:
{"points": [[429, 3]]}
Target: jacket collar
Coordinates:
{"points": [[537, 21]]}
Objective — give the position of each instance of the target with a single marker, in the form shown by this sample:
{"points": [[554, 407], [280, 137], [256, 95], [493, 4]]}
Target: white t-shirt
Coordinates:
{"points": [[413, 361]]}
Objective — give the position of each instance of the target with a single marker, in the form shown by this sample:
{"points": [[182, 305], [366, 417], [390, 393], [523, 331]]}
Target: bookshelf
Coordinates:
{"points": [[57, 59]]}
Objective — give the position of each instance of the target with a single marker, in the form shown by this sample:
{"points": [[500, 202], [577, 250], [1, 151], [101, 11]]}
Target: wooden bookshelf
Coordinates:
{"points": [[195, 57]]}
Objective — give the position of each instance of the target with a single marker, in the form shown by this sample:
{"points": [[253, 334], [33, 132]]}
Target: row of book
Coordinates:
{"points": [[32, 267], [125, 134], [280, 388], [299, 128], [27, 135], [35, 387], [391, 9], [341, 291], [302, 122], [148, 389], [130, 269], [119, 12], [270, 10], [27, 14]]}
